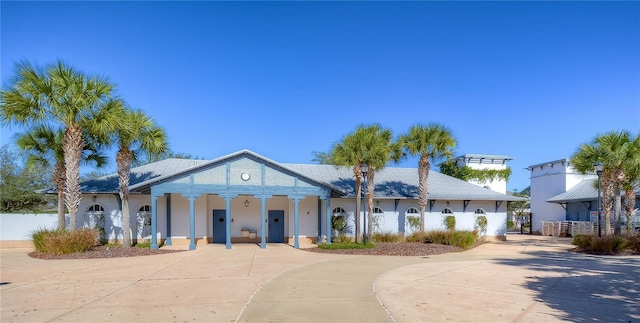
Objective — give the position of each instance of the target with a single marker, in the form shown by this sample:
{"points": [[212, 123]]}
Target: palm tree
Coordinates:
{"points": [[349, 152], [612, 149], [137, 134], [59, 94], [379, 150], [43, 146], [631, 179], [431, 143]]}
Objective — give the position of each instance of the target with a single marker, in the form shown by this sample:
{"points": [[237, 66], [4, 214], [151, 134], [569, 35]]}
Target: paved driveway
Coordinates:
{"points": [[523, 279]]}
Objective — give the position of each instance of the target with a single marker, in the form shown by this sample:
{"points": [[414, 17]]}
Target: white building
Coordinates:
{"points": [[491, 162], [245, 197]]}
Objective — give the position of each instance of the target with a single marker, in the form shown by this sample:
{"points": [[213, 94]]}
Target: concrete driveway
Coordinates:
{"points": [[523, 279]]}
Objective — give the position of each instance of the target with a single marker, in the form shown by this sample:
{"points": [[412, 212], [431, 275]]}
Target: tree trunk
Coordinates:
{"points": [[123, 159], [607, 204], [630, 205], [423, 175], [370, 187], [358, 174], [73, 148], [617, 209], [59, 180]]}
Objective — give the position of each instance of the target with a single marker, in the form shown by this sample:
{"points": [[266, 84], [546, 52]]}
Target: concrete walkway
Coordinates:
{"points": [[524, 279]]}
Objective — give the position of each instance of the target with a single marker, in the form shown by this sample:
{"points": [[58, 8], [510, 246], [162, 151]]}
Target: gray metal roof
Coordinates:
{"points": [[587, 190], [390, 182]]}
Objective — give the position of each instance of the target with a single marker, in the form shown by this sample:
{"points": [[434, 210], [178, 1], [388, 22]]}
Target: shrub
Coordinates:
{"points": [[346, 245], [481, 226], [386, 237], [633, 242], [462, 239], [582, 240], [450, 222], [510, 224], [417, 237], [413, 222], [61, 241], [342, 238]]}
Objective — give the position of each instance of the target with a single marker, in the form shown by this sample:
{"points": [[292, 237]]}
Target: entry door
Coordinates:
{"points": [[219, 227], [276, 226]]}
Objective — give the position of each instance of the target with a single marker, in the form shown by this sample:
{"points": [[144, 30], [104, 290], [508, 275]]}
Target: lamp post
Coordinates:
{"points": [[364, 168], [598, 167]]}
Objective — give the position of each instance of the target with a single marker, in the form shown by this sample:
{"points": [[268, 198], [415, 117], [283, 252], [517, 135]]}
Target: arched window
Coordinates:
{"points": [[479, 211], [338, 211], [412, 210], [95, 208], [447, 211], [377, 210], [144, 208]]}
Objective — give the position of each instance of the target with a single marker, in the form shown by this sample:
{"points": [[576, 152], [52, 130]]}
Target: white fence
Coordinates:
{"points": [[568, 228]]}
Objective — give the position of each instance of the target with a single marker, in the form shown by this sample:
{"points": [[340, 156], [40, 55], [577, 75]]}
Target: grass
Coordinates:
{"points": [[608, 245], [462, 239], [62, 241]]}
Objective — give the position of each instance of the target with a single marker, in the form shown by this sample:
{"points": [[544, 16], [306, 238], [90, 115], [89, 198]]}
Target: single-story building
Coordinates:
{"points": [[245, 197]]}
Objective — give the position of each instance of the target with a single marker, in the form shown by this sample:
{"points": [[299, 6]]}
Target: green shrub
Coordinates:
{"points": [[450, 222], [417, 237], [481, 226], [582, 240], [510, 224], [61, 241], [462, 239], [608, 245], [346, 245], [413, 222], [633, 242], [386, 237], [342, 238]]}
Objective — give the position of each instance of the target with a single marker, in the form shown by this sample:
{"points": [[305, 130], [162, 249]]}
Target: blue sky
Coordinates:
{"points": [[531, 80]]}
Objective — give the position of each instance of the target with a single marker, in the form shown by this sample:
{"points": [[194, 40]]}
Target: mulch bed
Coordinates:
{"points": [[104, 252], [394, 249]]}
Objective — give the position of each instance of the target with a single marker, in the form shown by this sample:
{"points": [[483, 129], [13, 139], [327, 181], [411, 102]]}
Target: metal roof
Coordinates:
{"points": [[587, 190], [396, 183]]}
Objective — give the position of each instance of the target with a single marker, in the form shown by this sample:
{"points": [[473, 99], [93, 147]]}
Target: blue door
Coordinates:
{"points": [[276, 226], [219, 227]]}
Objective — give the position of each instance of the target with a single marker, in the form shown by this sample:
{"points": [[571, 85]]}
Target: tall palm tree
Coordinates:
{"points": [[137, 134], [631, 180], [611, 149], [349, 152], [59, 94], [43, 146], [379, 150], [432, 142]]}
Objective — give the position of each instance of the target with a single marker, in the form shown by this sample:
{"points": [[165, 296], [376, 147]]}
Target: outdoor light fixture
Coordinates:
{"points": [[598, 167], [246, 203], [365, 168]]}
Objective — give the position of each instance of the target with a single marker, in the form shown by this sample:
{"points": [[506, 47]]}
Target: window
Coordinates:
{"points": [[479, 211], [412, 211], [338, 210], [447, 211], [95, 208], [145, 208], [377, 210]]}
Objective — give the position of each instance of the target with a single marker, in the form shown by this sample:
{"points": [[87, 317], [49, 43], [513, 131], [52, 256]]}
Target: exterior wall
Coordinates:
{"points": [[548, 180], [499, 186], [16, 229]]}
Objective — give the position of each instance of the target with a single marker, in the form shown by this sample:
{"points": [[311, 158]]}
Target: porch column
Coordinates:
{"points": [[328, 216], [154, 222], [296, 220], [192, 219], [263, 219], [168, 200], [319, 237], [227, 220]]}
